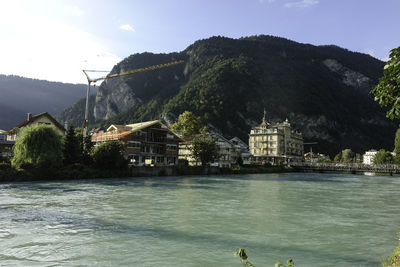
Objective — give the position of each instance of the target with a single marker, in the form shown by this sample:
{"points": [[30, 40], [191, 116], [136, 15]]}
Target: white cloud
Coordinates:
{"points": [[301, 4], [127, 27], [36, 47], [77, 11]]}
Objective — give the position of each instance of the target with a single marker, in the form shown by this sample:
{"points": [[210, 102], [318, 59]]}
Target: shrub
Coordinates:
{"points": [[38, 145], [109, 156]]}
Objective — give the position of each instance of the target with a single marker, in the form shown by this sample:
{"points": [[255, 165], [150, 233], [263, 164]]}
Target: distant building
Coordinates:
{"points": [[275, 142], [242, 150], [315, 157], [5, 146], [42, 118], [368, 157], [228, 154], [146, 143]]}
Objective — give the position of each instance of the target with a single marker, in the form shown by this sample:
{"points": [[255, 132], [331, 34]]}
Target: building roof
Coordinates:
{"points": [[44, 114], [135, 126], [129, 128]]}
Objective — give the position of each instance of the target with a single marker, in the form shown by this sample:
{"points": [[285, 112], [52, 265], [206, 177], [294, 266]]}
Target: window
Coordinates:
{"points": [[133, 144], [171, 147]]}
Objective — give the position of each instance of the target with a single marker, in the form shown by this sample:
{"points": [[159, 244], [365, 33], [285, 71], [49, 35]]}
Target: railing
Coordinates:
{"points": [[351, 167]]}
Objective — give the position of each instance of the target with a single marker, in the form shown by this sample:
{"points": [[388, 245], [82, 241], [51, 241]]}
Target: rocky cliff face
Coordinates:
{"points": [[113, 98], [322, 90]]}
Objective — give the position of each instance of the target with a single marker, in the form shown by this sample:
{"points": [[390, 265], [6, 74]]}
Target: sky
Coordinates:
{"points": [[56, 39]]}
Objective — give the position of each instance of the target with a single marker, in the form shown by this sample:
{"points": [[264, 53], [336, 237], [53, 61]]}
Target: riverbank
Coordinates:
{"points": [[79, 172]]}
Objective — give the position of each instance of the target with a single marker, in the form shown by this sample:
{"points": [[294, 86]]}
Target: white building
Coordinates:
{"points": [[368, 157]]}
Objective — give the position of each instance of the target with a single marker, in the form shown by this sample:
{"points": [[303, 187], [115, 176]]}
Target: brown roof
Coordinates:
{"points": [[26, 122]]}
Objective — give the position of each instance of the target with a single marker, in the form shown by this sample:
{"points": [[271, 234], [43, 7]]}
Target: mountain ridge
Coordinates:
{"points": [[322, 90]]}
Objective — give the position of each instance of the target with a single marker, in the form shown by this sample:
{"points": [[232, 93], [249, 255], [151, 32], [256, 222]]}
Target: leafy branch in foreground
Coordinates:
{"points": [[241, 252]]}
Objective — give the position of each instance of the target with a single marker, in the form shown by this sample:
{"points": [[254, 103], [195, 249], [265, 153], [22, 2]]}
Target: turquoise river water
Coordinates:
{"points": [[316, 219]]}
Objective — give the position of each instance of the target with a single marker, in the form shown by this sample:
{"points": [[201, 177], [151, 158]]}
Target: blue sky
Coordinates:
{"points": [[56, 39]]}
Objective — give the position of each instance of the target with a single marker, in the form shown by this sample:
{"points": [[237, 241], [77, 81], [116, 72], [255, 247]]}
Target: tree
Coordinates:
{"points": [[109, 156], [85, 145], [204, 149], [39, 145], [383, 157], [72, 150], [188, 124], [397, 147], [347, 155], [338, 157], [387, 92]]}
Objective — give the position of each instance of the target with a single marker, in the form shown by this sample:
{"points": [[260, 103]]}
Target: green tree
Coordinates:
{"points": [[39, 145], [188, 124], [387, 92], [338, 157], [109, 156], [72, 149], [397, 147], [204, 149], [85, 145], [347, 155], [383, 157]]}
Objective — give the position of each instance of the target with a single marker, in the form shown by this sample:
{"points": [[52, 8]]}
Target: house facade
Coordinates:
{"points": [[145, 143], [42, 118], [368, 157], [5, 146], [242, 150], [275, 142]]}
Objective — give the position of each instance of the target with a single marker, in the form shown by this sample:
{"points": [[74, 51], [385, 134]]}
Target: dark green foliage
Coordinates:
{"points": [[228, 83], [383, 157], [72, 149], [204, 149], [338, 157], [387, 92], [188, 124], [397, 147], [346, 156], [39, 146], [85, 145], [109, 156]]}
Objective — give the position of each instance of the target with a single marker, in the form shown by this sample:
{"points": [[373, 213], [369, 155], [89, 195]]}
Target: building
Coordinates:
{"points": [[242, 149], [227, 153], [5, 146], [316, 157], [146, 143], [275, 142], [368, 157], [42, 118]]}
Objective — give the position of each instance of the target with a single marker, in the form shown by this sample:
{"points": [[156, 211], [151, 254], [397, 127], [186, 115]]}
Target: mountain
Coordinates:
{"points": [[20, 96], [324, 91]]}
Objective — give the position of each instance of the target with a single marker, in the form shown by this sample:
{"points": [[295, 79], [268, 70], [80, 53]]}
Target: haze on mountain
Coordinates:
{"points": [[324, 91], [20, 96]]}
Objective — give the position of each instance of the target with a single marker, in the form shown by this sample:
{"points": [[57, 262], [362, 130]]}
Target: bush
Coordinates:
{"points": [[109, 156], [38, 145]]}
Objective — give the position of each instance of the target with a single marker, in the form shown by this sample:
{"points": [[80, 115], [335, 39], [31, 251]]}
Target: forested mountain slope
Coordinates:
{"points": [[322, 90]]}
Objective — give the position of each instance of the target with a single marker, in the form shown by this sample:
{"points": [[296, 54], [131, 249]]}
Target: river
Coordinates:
{"points": [[316, 219]]}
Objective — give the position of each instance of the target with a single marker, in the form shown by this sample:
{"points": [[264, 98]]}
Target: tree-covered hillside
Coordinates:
{"points": [[322, 90]]}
